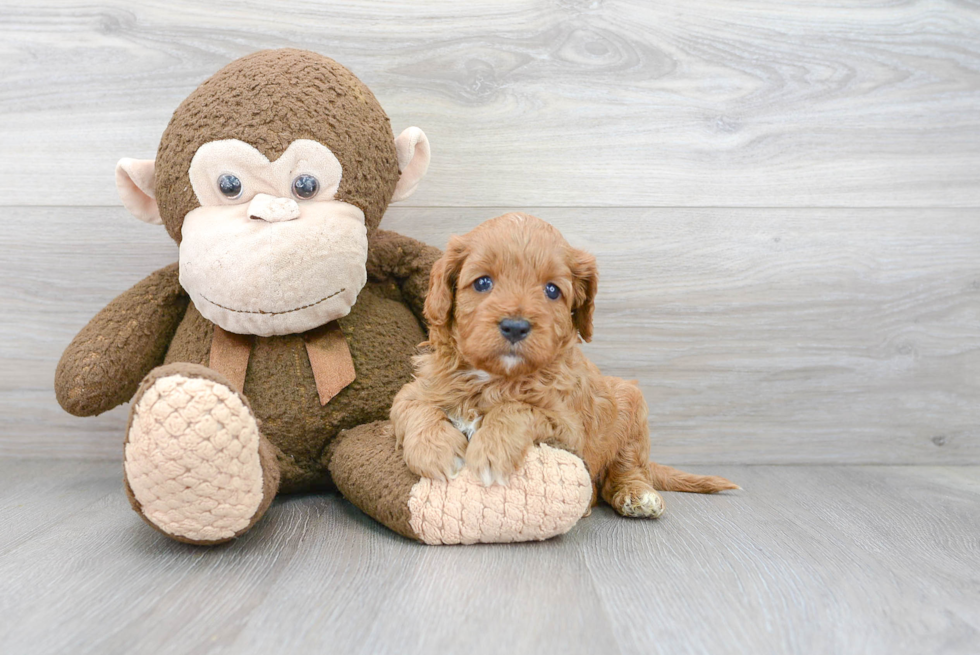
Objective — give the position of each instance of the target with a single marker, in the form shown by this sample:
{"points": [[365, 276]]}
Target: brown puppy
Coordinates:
{"points": [[507, 304]]}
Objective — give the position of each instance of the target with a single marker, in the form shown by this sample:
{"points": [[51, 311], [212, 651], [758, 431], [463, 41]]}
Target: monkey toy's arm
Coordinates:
{"points": [[103, 365], [407, 261]]}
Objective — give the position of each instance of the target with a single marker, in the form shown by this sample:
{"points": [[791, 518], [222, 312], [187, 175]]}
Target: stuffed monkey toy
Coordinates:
{"points": [[266, 359]]}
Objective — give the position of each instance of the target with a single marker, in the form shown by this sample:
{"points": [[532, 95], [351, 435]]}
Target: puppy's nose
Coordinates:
{"points": [[515, 329]]}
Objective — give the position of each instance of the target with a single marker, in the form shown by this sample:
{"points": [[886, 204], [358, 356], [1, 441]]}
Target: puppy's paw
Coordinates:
{"points": [[437, 453], [493, 460], [637, 500]]}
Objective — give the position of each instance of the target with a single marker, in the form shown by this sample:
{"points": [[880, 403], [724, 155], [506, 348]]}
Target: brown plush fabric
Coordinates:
{"points": [[267, 454], [369, 471], [382, 335], [103, 365], [192, 340], [269, 99], [393, 256]]}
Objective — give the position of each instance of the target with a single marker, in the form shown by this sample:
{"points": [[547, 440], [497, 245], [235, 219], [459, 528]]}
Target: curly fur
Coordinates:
{"points": [[539, 390]]}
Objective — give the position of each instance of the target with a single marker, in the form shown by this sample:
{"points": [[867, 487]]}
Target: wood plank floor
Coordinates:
{"points": [[862, 559]]}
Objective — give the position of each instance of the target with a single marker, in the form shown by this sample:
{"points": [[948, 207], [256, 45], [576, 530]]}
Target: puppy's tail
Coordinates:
{"points": [[667, 478]]}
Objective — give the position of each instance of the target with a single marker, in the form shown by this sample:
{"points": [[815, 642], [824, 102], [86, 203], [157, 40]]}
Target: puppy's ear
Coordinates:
{"points": [[438, 309], [586, 282]]}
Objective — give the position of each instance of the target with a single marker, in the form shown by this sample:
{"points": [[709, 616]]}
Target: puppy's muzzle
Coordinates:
{"points": [[515, 329]]}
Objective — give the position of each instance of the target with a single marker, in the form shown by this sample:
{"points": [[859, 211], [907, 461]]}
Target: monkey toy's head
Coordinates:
{"points": [[270, 177]]}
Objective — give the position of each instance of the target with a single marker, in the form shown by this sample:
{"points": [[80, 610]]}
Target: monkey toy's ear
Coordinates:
{"points": [[413, 161], [134, 180]]}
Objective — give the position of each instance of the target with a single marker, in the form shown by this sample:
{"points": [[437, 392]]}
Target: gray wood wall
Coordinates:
{"points": [[783, 196]]}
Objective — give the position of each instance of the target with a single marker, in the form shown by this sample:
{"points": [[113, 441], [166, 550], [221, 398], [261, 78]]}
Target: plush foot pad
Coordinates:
{"points": [[192, 459], [544, 498]]}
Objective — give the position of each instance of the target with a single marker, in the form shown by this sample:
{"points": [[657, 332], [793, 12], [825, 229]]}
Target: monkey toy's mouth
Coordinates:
{"points": [[269, 306], [272, 313], [262, 278]]}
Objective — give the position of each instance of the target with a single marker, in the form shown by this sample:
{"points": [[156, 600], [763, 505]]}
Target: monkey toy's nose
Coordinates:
{"points": [[272, 209], [515, 329]]}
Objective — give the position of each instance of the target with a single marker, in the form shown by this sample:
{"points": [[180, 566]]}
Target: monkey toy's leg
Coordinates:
{"points": [[547, 495], [196, 466]]}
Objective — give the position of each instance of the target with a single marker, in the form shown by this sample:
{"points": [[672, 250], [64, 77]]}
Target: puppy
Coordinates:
{"points": [[506, 307]]}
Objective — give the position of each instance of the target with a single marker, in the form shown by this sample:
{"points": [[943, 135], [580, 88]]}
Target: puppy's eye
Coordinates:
{"points": [[483, 284], [305, 187], [552, 291], [230, 186]]}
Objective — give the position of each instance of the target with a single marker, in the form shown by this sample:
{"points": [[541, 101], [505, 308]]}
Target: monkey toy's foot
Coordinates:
{"points": [[544, 498], [196, 466]]}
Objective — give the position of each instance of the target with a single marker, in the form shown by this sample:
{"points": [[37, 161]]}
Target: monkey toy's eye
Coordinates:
{"points": [[483, 284], [305, 186], [552, 291], [230, 186]]}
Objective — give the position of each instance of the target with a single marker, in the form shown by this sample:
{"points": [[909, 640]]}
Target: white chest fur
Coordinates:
{"points": [[467, 426]]}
